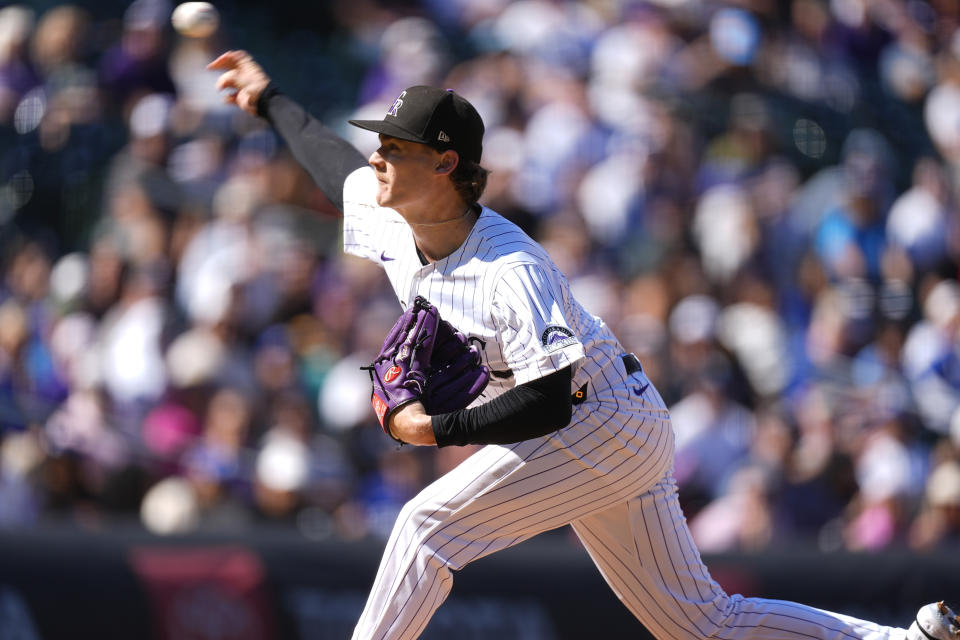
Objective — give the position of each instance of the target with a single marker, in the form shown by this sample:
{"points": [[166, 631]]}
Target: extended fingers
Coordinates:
{"points": [[242, 77], [227, 80], [229, 60]]}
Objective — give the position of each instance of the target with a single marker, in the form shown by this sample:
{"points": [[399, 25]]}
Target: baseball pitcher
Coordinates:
{"points": [[575, 432]]}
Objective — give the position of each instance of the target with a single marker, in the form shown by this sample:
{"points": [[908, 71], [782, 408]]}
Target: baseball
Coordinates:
{"points": [[195, 19]]}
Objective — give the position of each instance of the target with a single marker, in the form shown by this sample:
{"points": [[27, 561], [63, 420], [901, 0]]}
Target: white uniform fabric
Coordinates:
{"points": [[608, 473]]}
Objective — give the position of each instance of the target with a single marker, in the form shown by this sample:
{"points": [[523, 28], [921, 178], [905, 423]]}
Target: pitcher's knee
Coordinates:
{"points": [[710, 617], [722, 613], [416, 523]]}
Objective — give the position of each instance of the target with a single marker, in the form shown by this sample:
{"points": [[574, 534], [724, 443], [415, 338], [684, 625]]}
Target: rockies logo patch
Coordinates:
{"points": [[556, 337]]}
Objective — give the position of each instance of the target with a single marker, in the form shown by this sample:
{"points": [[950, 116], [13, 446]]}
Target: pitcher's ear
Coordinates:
{"points": [[447, 162]]}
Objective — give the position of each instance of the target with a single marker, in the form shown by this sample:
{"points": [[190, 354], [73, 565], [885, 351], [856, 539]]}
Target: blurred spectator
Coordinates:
{"points": [[217, 466], [21, 500], [851, 238], [930, 355], [713, 433], [938, 522], [920, 218], [883, 472], [740, 519], [16, 73], [137, 64]]}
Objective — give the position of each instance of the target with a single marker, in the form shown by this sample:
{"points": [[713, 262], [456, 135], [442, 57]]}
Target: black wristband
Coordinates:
{"points": [[527, 411], [268, 92]]}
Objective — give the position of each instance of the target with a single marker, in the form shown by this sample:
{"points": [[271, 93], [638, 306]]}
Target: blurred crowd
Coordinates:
{"points": [[760, 197]]}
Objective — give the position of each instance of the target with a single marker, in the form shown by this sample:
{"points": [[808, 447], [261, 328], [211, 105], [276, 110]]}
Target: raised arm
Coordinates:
{"points": [[327, 157]]}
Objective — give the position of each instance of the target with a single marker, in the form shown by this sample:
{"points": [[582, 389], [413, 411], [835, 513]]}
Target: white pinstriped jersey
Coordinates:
{"points": [[607, 473], [500, 287]]}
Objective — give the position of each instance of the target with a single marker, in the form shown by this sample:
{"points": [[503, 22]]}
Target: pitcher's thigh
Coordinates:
{"points": [[504, 494]]}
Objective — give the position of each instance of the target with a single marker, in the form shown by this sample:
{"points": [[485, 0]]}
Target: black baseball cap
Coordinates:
{"points": [[440, 118]]}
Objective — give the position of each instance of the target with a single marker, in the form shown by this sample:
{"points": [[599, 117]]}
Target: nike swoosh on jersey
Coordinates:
{"points": [[640, 389], [384, 257]]}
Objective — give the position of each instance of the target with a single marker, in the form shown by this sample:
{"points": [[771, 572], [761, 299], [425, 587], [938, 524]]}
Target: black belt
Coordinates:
{"points": [[630, 362]]}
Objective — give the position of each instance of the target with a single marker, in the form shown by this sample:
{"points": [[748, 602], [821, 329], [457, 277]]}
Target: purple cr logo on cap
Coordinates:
{"points": [[396, 104]]}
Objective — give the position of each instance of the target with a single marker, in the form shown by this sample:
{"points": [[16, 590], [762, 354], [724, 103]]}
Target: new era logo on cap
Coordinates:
{"points": [[440, 118]]}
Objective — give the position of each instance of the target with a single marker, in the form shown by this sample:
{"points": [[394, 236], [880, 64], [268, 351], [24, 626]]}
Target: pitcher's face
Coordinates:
{"points": [[405, 172]]}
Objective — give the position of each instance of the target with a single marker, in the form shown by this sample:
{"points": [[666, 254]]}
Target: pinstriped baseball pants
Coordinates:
{"points": [[608, 474]]}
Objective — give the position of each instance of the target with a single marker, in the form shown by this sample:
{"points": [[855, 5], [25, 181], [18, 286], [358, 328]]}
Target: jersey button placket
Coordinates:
{"points": [[418, 277]]}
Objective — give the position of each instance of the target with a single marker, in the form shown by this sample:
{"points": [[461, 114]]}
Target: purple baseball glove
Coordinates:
{"points": [[399, 373], [456, 376], [424, 358]]}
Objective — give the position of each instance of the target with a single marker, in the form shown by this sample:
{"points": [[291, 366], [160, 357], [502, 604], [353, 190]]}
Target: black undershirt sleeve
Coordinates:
{"points": [[527, 411], [327, 157]]}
